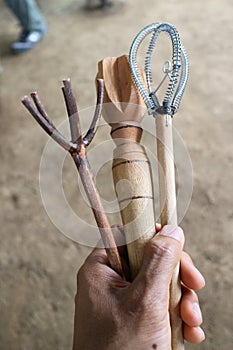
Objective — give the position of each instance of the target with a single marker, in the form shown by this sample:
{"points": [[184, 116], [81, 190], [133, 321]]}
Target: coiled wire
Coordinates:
{"points": [[178, 75]]}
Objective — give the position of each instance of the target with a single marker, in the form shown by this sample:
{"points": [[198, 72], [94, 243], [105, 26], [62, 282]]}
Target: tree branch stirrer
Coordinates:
{"points": [[77, 149]]}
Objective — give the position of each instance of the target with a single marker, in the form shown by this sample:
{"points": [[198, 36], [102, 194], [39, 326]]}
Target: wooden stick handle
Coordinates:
{"points": [[167, 194], [99, 213], [132, 179]]}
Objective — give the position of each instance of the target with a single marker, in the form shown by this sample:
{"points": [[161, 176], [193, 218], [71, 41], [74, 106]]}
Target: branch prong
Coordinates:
{"points": [[40, 107], [72, 111], [49, 128], [97, 115]]}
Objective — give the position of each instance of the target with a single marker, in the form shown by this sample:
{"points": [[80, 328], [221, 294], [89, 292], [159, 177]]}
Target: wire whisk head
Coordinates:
{"points": [[175, 70]]}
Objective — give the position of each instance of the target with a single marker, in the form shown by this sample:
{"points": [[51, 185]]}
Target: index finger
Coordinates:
{"points": [[190, 275]]}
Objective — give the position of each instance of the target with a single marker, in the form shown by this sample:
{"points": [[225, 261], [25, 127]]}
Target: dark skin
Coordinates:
{"points": [[113, 314]]}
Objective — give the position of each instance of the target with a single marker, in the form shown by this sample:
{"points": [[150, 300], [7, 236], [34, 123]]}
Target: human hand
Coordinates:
{"points": [[113, 314]]}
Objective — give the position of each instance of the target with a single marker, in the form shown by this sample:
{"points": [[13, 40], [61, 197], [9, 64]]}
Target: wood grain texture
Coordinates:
{"points": [[168, 216], [132, 179]]}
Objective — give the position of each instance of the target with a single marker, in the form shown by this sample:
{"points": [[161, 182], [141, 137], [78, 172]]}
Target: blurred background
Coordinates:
{"points": [[38, 264]]}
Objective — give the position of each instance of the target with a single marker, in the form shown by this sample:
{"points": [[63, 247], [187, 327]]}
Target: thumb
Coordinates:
{"points": [[161, 255]]}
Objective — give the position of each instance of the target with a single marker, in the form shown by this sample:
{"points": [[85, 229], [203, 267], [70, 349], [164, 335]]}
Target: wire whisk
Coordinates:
{"points": [[176, 69]]}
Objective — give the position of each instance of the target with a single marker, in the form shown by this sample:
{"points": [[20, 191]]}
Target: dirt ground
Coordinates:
{"points": [[38, 265]]}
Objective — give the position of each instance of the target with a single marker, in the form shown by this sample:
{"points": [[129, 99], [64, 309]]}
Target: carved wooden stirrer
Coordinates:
{"points": [[124, 109]]}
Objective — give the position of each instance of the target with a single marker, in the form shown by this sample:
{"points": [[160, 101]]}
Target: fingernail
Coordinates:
{"points": [[172, 231], [197, 312], [201, 334]]}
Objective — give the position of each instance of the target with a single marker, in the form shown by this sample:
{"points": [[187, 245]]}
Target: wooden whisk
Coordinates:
{"points": [[77, 148], [124, 109]]}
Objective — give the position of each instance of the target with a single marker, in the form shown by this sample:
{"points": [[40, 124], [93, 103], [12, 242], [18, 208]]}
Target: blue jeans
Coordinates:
{"points": [[28, 14]]}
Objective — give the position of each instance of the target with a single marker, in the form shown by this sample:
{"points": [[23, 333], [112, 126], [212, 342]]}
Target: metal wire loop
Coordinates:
{"points": [[176, 69]]}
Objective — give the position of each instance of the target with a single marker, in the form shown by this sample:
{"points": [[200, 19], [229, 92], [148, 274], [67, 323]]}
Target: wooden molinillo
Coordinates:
{"points": [[124, 110]]}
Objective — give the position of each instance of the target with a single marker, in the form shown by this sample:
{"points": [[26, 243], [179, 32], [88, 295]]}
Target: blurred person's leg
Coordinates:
{"points": [[105, 3], [32, 22], [101, 4]]}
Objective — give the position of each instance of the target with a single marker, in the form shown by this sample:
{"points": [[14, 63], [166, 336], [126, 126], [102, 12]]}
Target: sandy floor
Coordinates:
{"points": [[38, 264]]}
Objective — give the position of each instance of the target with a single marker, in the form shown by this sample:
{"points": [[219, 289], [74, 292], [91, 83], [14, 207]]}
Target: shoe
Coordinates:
{"points": [[27, 40]]}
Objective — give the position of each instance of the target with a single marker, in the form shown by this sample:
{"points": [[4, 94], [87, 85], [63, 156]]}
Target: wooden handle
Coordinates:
{"points": [[167, 194], [132, 179], [124, 109]]}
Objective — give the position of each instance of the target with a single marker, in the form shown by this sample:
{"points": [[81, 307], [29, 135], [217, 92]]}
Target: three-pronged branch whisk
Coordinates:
{"points": [[77, 148], [176, 71]]}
